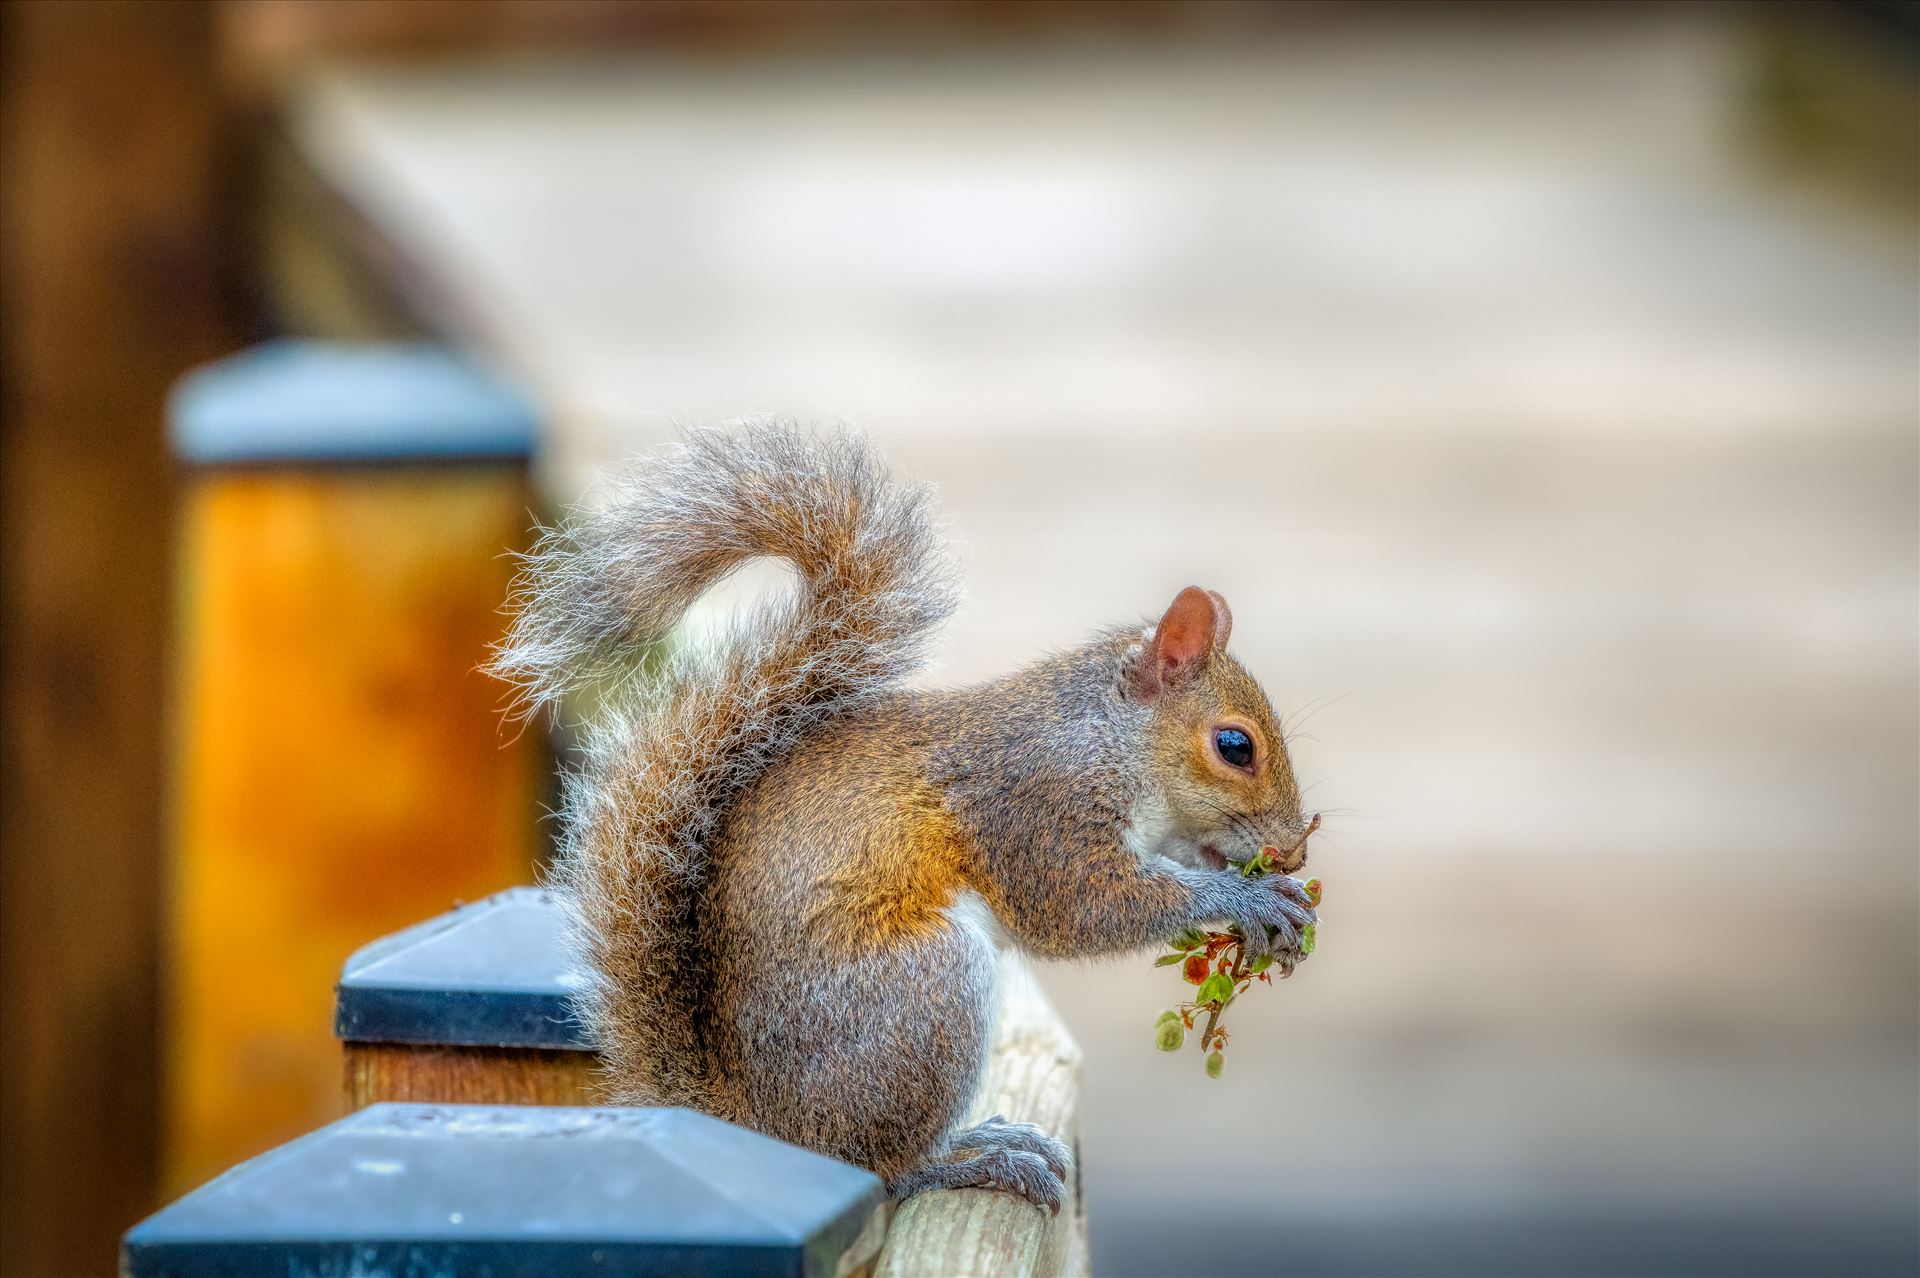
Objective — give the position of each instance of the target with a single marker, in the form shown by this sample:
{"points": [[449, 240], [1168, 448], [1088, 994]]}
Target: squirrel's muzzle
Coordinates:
{"points": [[1294, 857]]}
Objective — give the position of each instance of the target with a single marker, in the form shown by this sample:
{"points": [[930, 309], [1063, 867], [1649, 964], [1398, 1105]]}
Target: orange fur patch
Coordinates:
{"points": [[908, 871]]}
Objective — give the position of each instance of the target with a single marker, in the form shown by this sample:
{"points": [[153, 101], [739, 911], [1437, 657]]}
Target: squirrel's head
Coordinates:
{"points": [[1220, 785]]}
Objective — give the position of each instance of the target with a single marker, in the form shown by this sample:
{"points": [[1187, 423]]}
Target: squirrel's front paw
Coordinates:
{"points": [[1275, 909]]}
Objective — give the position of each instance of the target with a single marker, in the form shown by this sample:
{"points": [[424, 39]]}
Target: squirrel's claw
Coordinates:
{"points": [[1282, 937]]}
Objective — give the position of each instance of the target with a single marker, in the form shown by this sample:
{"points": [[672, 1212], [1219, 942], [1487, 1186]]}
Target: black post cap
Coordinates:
{"points": [[460, 1191], [492, 974]]}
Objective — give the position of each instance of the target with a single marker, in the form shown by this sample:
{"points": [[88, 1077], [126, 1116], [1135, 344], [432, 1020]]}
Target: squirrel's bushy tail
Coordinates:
{"points": [[673, 737]]}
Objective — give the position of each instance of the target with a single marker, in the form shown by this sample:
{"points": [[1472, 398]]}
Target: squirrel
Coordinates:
{"points": [[788, 875]]}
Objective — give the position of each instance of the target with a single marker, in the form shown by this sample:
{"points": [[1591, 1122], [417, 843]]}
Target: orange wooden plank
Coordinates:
{"points": [[469, 1075], [342, 769]]}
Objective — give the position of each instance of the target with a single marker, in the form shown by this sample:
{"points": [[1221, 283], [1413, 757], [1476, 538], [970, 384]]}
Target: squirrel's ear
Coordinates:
{"points": [[1195, 625], [1222, 620]]}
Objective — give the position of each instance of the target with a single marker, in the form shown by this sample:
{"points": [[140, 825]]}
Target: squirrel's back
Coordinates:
{"points": [[673, 738]]}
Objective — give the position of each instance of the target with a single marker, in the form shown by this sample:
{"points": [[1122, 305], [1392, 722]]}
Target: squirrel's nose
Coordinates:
{"points": [[1287, 860], [1292, 852]]}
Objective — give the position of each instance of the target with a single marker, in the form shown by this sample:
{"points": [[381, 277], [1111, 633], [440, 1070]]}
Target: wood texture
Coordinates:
{"points": [[1033, 1076], [343, 770], [114, 280], [468, 1075]]}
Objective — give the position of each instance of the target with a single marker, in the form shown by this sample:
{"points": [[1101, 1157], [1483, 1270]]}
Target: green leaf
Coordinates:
{"points": [[1217, 988], [1191, 939], [1307, 939], [1260, 964], [1168, 1015], [1168, 960], [1257, 864]]}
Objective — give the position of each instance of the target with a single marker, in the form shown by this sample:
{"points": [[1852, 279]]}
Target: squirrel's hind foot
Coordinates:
{"points": [[1017, 1171], [998, 1133]]}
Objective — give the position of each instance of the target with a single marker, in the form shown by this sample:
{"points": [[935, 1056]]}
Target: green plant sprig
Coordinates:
{"points": [[1217, 964]]}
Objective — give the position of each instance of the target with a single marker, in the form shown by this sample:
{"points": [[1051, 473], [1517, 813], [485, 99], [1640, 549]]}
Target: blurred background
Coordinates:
{"points": [[1539, 383]]}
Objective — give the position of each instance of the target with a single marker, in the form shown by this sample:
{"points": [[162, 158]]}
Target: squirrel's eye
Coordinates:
{"points": [[1235, 746]]}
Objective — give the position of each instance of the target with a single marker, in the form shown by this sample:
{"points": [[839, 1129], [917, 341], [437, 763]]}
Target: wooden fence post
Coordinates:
{"points": [[471, 1006], [340, 766]]}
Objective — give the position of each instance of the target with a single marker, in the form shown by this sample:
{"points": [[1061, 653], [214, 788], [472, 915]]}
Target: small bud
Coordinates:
{"points": [[1216, 1065], [1313, 887], [1196, 968], [1169, 1036]]}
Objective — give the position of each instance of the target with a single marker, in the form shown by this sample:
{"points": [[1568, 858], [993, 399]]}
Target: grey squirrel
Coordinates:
{"points": [[790, 874]]}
